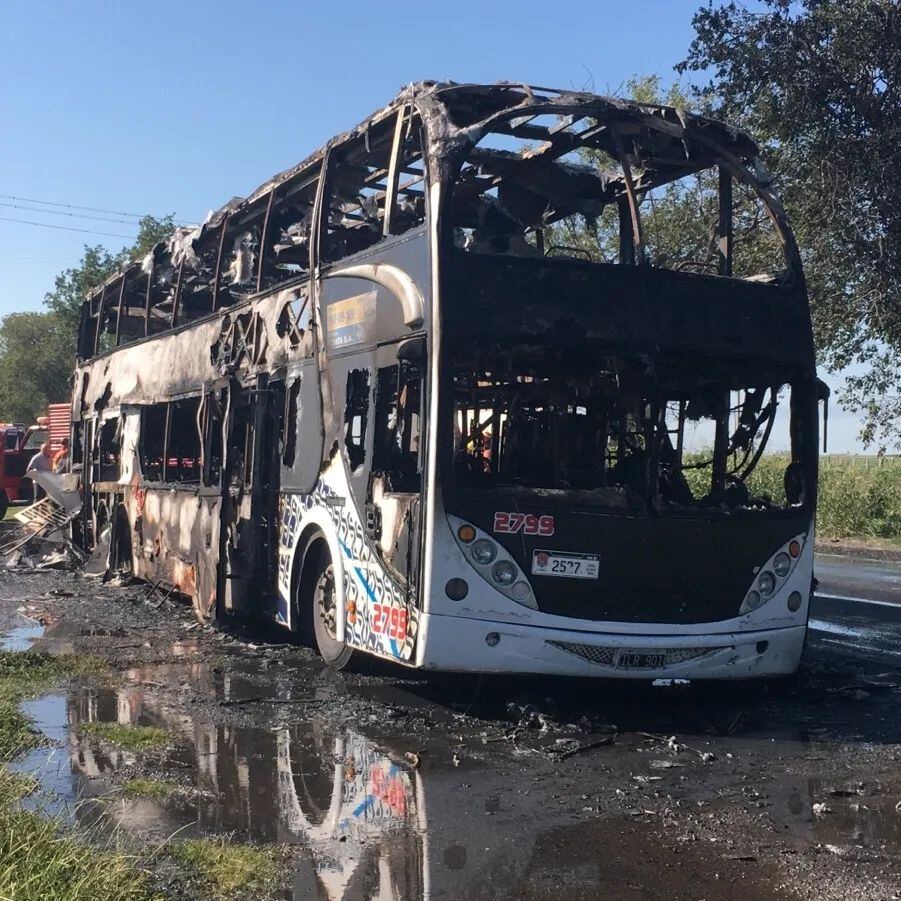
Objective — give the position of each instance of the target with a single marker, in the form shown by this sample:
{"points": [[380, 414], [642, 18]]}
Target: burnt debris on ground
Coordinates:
{"points": [[499, 787]]}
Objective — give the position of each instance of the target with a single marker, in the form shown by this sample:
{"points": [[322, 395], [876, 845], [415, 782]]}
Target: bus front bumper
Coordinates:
{"points": [[460, 644]]}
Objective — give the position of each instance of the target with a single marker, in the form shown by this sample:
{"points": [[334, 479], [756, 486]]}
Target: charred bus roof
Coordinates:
{"points": [[546, 128]]}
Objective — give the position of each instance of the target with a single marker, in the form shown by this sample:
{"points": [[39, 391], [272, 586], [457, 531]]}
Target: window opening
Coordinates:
{"points": [[356, 414], [629, 432], [372, 191], [597, 192], [212, 412], [183, 452], [108, 451], [289, 436], [397, 425], [287, 240], [152, 443], [294, 320], [240, 445]]}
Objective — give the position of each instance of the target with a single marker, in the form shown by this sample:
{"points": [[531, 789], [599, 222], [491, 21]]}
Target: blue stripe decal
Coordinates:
{"points": [[395, 650], [359, 573]]}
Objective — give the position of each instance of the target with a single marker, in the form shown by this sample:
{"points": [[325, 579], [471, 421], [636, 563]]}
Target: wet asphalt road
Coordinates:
{"points": [[857, 608]]}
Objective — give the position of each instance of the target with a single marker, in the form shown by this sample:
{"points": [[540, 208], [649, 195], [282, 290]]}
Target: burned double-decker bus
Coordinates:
{"points": [[481, 385]]}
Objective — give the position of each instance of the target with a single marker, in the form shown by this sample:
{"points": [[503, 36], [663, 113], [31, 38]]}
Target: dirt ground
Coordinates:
{"points": [[392, 785]]}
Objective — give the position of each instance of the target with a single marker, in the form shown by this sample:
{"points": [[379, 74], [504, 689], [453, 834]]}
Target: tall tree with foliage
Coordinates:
{"points": [[37, 350], [96, 266], [819, 83], [35, 364], [679, 219]]}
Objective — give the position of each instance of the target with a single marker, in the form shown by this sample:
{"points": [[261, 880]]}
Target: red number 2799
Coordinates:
{"points": [[527, 523], [391, 620]]}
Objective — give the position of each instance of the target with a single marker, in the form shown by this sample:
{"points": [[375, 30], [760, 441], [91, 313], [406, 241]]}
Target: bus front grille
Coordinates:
{"points": [[607, 656]]}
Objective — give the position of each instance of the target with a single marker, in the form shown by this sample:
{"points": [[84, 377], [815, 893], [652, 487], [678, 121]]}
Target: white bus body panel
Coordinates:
{"points": [[766, 642]]}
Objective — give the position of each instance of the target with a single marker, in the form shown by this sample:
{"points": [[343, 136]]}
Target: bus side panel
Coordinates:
{"points": [[368, 305], [175, 536], [377, 615]]}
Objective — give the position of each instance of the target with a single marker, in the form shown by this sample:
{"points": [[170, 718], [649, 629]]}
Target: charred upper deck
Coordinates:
{"points": [[272, 236]]}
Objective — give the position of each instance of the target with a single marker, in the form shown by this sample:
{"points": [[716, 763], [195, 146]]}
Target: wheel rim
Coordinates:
{"points": [[325, 602]]}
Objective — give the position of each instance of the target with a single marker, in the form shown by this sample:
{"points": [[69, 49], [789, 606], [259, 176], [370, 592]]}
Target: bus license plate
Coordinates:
{"points": [[640, 660], [567, 566]]}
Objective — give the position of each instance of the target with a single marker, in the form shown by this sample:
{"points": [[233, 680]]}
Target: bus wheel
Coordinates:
{"points": [[4, 503], [335, 653]]}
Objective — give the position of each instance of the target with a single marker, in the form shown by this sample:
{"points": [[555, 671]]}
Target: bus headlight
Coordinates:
{"points": [[520, 591], [772, 576], [504, 572], [782, 564], [766, 583], [492, 562], [483, 551]]}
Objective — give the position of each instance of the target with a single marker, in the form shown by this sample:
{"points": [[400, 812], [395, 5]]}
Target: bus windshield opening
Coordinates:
{"points": [[631, 432]]}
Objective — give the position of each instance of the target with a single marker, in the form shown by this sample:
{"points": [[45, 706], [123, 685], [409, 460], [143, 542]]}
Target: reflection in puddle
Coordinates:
{"points": [[371, 828], [355, 806], [21, 637], [830, 813]]}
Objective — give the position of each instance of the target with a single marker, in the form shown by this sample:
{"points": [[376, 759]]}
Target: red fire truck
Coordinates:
{"points": [[19, 444]]}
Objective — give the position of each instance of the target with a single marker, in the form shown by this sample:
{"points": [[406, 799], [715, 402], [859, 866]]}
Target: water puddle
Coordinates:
{"points": [[860, 634], [367, 823], [22, 636], [859, 815]]}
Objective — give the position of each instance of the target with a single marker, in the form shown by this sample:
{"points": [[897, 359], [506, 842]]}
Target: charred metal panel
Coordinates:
{"points": [[634, 307], [358, 315], [651, 569], [174, 536]]}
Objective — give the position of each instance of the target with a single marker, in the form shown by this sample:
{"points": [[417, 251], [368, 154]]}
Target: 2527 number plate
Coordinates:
{"points": [[567, 566]]}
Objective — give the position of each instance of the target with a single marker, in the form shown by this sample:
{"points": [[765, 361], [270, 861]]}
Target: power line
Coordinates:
{"points": [[37, 209], [72, 206], [67, 228]]}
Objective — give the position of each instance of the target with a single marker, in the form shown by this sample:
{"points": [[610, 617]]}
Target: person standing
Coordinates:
{"points": [[42, 461], [61, 458]]}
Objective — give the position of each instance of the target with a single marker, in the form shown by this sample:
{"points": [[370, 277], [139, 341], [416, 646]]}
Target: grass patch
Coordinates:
{"points": [[155, 789], [14, 787], [131, 738], [227, 868], [37, 862], [859, 497], [38, 858]]}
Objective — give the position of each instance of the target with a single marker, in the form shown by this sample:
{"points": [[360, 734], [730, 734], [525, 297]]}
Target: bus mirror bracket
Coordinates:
{"points": [[396, 281], [412, 350], [823, 392]]}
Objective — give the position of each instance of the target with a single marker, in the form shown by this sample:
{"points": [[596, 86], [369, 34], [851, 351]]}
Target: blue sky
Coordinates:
{"points": [[178, 106]]}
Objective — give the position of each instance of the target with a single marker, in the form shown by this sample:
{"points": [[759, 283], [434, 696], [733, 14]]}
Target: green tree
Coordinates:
{"points": [[679, 220], [818, 82], [35, 364], [37, 350], [97, 265]]}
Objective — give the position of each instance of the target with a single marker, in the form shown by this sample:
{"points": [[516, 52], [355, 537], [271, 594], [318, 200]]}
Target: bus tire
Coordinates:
{"points": [[323, 600], [4, 503]]}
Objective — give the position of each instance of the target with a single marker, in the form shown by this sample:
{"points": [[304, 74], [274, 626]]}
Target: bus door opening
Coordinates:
{"points": [[248, 538], [393, 509]]}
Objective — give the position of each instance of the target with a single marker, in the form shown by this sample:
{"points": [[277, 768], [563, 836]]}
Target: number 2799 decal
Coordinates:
{"points": [[391, 620], [527, 523]]}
